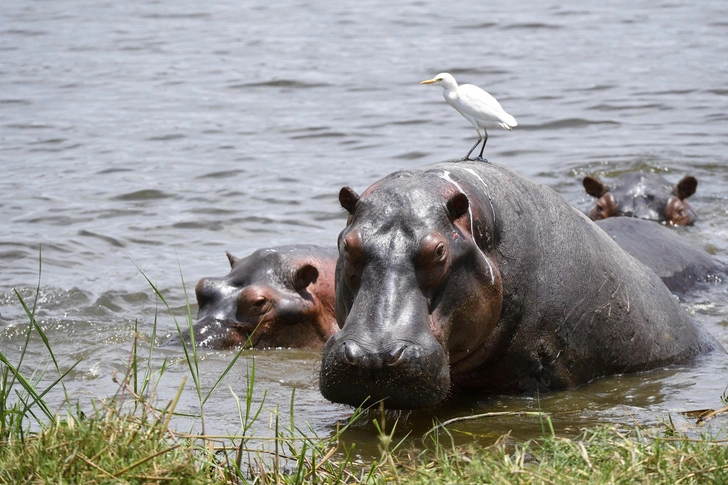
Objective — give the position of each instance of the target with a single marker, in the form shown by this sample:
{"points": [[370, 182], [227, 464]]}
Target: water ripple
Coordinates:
{"points": [[617, 107], [176, 16], [531, 26], [22, 102], [330, 134], [167, 137], [278, 83], [567, 123], [112, 241], [479, 26], [147, 194]]}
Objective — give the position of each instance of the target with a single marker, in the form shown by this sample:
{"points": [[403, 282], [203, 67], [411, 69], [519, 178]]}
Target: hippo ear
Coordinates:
{"points": [[458, 205], [686, 187], [304, 276], [348, 199], [594, 186], [232, 259]]}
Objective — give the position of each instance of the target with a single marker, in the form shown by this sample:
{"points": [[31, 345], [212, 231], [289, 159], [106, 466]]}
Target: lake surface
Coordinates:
{"points": [[147, 138]]}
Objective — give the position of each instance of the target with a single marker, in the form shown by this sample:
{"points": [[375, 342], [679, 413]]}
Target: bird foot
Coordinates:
{"points": [[481, 159]]}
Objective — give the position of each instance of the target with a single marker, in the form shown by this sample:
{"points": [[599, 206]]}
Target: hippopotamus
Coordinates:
{"points": [[643, 195], [464, 275], [680, 266], [276, 297]]}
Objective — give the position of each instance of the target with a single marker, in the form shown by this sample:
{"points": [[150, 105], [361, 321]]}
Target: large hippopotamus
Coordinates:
{"points": [[680, 266], [276, 297], [466, 275], [643, 195]]}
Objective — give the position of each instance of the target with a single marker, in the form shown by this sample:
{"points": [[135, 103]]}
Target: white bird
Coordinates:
{"points": [[477, 106]]}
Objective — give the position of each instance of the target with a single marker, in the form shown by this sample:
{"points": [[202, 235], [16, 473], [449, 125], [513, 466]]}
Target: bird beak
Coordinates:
{"points": [[429, 81]]}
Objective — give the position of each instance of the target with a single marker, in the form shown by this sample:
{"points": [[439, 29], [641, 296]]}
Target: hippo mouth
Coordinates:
{"points": [[226, 333], [406, 376], [250, 333]]}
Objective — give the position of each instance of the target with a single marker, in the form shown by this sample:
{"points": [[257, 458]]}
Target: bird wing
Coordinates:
{"points": [[482, 106]]}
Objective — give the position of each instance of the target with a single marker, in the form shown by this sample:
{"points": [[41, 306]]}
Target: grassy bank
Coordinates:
{"points": [[602, 455], [114, 448], [127, 438]]}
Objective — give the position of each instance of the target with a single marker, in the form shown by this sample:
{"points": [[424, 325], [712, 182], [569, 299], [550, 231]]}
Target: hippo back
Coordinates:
{"points": [[679, 265]]}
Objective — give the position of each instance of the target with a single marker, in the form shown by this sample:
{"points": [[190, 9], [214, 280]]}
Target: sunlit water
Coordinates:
{"points": [[148, 138]]}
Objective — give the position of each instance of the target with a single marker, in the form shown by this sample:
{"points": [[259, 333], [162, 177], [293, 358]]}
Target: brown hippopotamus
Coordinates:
{"points": [[466, 275], [643, 195], [679, 265], [276, 297]]}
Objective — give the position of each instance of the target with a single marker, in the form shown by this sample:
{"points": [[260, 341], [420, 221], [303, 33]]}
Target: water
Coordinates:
{"points": [[150, 137]]}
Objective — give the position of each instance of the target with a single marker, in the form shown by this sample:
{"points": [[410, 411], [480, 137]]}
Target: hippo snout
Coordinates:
{"points": [[404, 374], [214, 333], [356, 356]]}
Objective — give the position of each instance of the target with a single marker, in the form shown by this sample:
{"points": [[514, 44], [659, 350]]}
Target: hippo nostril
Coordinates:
{"points": [[394, 357], [353, 353]]}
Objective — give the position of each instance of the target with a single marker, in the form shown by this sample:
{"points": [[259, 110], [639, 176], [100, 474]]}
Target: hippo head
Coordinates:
{"points": [[275, 297], [645, 196], [417, 294]]}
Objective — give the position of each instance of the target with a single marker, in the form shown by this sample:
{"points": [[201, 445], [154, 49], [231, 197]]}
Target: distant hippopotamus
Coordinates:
{"points": [[466, 275], [681, 266], [643, 195], [276, 297]]}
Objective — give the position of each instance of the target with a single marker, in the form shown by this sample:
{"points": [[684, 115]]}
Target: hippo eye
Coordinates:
{"points": [[259, 302], [440, 250]]}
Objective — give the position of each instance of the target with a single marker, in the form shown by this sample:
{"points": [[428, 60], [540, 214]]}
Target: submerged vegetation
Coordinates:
{"points": [[127, 438]]}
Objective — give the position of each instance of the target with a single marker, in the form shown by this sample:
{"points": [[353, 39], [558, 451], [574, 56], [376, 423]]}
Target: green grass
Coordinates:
{"points": [[105, 448], [127, 438], [601, 455]]}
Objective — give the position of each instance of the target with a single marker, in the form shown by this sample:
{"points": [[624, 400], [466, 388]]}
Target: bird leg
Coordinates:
{"points": [[480, 157], [467, 157]]}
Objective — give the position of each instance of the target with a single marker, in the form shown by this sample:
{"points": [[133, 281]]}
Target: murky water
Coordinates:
{"points": [[146, 138]]}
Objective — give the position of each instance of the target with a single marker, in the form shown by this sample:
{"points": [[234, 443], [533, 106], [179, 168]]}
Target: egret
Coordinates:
{"points": [[478, 107]]}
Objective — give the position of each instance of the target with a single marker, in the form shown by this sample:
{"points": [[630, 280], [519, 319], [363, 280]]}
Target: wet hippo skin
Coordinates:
{"points": [[467, 275], [679, 264]]}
